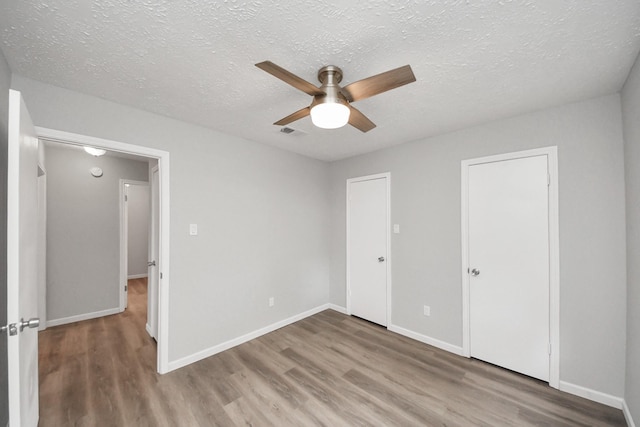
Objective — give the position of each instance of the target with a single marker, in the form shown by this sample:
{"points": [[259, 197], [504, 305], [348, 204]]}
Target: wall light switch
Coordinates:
{"points": [[193, 229], [427, 310], [396, 228]]}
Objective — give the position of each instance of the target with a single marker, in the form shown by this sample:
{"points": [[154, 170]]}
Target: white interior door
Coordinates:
{"points": [[124, 247], [22, 265], [153, 279], [509, 264], [367, 254]]}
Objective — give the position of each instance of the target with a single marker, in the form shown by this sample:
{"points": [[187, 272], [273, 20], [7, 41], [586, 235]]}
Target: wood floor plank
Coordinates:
{"points": [[325, 370], [330, 387], [357, 409], [285, 389], [261, 397]]}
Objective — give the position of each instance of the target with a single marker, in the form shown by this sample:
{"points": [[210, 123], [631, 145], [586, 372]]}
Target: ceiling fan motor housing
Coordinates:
{"points": [[330, 76]]}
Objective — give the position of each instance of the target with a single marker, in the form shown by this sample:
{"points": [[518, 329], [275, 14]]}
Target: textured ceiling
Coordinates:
{"points": [[193, 60]]}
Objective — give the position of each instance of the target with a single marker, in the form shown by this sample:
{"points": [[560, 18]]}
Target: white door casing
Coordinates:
{"points": [[368, 260], [22, 263], [163, 365], [509, 228]]}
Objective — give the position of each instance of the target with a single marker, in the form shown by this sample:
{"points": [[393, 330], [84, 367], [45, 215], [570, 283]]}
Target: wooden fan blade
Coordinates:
{"points": [[289, 78], [359, 120], [379, 83], [293, 117]]}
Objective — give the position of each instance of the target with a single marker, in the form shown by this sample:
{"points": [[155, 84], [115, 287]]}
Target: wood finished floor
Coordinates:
{"points": [[329, 369]]}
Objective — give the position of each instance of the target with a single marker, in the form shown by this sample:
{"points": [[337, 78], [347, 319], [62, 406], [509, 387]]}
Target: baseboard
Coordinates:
{"points": [[427, 340], [176, 364], [337, 308], [137, 276], [627, 414], [596, 396], [81, 317]]}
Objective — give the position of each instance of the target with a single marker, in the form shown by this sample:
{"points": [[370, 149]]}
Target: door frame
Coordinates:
{"points": [[124, 238], [554, 252], [387, 176], [164, 219]]}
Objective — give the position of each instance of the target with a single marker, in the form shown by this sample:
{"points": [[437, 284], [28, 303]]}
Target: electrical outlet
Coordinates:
{"points": [[272, 301], [427, 310]]}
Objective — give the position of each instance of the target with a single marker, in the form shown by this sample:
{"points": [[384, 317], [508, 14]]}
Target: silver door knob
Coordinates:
{"points": [[34, 322], [381, 259], [151, 263], [475, 272]]}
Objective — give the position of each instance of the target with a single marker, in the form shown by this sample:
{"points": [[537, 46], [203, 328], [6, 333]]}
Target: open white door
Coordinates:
{"points": [[22, 263], [42, 247], [154, 258]]}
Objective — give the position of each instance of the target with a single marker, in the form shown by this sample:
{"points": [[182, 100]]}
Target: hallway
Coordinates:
{"points": [[92, 371]]}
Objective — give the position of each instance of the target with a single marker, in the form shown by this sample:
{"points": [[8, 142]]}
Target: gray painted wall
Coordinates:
{"points": [[5, 83], [262, 215], [138, 228], [631, 120], [426, 256], [83, 234]]}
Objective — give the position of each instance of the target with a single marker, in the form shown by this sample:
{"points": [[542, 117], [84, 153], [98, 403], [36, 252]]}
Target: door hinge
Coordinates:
{"points": [[548, 179], [161, 275], [126, 198], [549, 348], [126, 288]]}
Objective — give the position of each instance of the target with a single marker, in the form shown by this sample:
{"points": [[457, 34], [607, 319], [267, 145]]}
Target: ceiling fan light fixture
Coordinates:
{"points": [[330, 115], [331, 106]]}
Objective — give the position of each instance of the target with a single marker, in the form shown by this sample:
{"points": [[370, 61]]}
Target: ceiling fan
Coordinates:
{"points": [[331, 106]]}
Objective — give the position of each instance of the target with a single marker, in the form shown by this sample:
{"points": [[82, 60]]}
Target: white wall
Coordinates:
{"points": [[426, 256], [262, 215], [5, 82], [631, 119], [138, 229], [83, 238]]}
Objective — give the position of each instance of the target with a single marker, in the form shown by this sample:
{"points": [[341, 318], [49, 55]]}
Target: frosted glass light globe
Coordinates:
{"points": [[331, 115]]}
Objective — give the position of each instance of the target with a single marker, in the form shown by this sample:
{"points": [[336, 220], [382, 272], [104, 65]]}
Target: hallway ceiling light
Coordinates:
{"points": [[95, 151]]}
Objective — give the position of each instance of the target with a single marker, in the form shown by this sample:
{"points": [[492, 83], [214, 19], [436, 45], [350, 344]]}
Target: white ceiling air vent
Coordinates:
{"points": [[287, 130]]}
